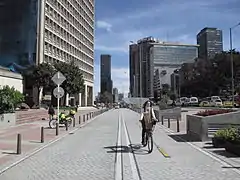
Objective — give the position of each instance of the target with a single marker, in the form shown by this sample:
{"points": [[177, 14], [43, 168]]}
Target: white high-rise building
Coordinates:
{"points": [[66, 33]]}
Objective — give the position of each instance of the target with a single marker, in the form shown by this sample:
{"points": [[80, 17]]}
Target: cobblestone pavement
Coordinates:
{"points": [[91, 153], [78, 156]]}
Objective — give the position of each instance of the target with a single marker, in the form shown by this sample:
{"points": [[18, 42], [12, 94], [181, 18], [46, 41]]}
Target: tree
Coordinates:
{"points": [[74, 82], [165, 88], [173, 96], [106, 97], [211, 76], [9, 99], [41, 76]]}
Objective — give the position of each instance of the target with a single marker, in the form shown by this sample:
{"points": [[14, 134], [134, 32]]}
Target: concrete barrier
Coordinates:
{"points": [[203, 128], [169, 113]]}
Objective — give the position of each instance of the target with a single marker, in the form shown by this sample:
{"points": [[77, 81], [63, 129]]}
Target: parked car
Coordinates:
{"points": [[204, 104], [216, 103], [193, 101], [183, 101]]}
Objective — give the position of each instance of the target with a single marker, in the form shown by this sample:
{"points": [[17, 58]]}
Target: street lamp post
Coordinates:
{"points": [[231, 56]]}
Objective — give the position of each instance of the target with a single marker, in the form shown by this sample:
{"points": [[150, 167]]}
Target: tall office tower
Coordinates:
{"points": [[134, 73], [167, 57], [115, 95], [141, 68], [154, 61], [37, 31], [210, 41], [106, 80]]}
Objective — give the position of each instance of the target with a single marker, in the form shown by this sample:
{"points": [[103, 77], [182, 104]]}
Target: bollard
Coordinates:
{"points": [[168, 123], [84, 118], [79, 121], [66, 125], [178, 130], [57, 129], [42, 134], [19, 144], [74, 122], [162, 120]]}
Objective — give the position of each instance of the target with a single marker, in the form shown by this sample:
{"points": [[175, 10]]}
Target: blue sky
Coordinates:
{"points": [[119, 22]]}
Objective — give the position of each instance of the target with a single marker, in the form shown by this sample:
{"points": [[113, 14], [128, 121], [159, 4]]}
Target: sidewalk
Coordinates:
{"points": [[31, 137], [175, 160]]}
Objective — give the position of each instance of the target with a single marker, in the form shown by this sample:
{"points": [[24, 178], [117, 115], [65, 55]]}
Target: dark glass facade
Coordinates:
{"points": [[18, 27], [210, 41], [106, 82], [173, 54]]}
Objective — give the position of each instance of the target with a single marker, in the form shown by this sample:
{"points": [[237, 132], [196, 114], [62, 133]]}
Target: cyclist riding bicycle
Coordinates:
{"points": [[148, 118]]}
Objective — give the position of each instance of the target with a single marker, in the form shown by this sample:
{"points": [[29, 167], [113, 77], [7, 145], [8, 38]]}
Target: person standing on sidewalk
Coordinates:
{"points": [[51, 112]]}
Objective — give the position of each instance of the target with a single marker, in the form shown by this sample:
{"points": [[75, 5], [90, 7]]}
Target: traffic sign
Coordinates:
{"points": [[58, 78], [58, 92]]}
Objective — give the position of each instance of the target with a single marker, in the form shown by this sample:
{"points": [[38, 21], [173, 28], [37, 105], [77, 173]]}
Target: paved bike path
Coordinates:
{"points": [[79, 156], [185, 162], [90, 154]]}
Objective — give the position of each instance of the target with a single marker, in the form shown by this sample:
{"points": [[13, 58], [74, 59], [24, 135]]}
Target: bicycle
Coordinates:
{"points": [[148, 138]]}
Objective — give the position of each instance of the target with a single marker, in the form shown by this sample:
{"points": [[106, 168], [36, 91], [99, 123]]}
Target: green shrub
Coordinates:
{"points": [[222, 133], [232, 135], [228, 134], [9, 99]]}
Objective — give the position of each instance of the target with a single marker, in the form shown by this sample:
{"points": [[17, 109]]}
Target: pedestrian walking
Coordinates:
{"points": [[51, 112]]}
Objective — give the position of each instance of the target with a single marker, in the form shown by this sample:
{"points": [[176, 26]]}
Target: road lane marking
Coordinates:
{"points": [[135, 171], [163, 152], [118, 164]]}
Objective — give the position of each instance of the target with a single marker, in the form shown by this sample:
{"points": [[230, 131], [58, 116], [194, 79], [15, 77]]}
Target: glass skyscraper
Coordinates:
{"points": [[173, 54], [210, 41], [167, 57]]}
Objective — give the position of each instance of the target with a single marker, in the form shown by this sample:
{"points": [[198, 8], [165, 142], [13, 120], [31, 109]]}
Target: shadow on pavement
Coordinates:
{"points": [[132, 148], [183, 138], [223, 152], [35, 141], [232, 167], [9, 153], [208, 143], [117, 149], [209, 147]]}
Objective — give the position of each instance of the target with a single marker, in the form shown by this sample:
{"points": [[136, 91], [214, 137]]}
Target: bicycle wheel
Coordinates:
{"points": [[150, 142], [52, 123]]}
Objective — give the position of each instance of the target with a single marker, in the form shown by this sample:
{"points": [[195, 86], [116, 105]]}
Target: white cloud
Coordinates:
{"points": [[173, 19], [120, 78], [104, 25]]}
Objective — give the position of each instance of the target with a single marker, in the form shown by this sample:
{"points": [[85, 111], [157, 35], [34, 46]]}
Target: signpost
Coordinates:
{"points": [[58, 92]]}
